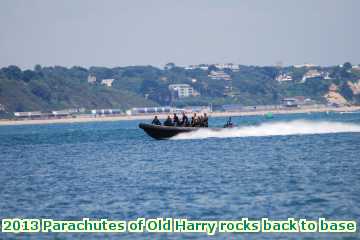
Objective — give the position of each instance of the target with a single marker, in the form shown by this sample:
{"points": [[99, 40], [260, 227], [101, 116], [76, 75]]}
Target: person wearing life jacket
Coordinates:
{"points": [[176, 120], [156, 121], [193, 120], [184, 120], [168, 122], [200, 121], [205, 121], [229, 123]]}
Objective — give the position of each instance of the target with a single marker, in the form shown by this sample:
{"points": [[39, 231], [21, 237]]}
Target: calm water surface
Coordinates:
{"points": [[113, 170]]}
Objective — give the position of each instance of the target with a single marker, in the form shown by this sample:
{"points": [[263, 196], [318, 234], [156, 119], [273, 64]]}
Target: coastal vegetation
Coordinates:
{"points": [[51, 88]]}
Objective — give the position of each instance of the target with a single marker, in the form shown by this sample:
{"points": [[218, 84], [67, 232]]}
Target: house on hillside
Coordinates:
{"points": [[169, 66], [356, 67], [283, 77], [305, 65], [91, 79], [312, 74], [204, 67], [315, 74], [182, 91], [107, 82], [231, 66], [219, 75]]}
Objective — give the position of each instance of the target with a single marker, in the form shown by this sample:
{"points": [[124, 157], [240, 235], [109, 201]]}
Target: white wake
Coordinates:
{"points": [[297, 127]]}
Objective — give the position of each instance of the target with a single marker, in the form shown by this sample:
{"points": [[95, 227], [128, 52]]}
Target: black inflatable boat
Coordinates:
{"points": [[164, 132]]}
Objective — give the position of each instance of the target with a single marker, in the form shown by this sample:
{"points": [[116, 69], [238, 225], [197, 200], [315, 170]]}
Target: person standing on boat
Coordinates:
{"points": [[205, 120], [229, 123], [156, 121], [168, 122], [176, 120], [200, 121], [193, 120], [184, 120]]}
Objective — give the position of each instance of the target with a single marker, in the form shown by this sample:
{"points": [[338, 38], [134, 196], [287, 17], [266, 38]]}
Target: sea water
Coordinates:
{"points": [[291, 166]]}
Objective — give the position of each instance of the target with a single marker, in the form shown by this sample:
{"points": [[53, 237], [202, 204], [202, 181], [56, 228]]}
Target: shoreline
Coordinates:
{"points": [[84, 119]]}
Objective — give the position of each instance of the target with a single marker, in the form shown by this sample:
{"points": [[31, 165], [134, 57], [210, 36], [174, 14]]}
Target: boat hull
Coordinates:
{"points": [[164, 132]]}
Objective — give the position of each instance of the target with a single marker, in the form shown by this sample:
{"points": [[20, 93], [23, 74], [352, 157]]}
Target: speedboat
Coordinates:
{"points": [[165, 132]]}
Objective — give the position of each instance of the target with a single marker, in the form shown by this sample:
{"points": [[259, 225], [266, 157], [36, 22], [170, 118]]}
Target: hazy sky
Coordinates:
{"points": [[133, 32]]}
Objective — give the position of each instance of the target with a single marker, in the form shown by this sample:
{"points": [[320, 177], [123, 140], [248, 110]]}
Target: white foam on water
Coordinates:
{"points": [[297, 127]]}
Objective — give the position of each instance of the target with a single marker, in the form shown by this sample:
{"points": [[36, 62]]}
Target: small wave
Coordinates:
{"points": [[297, 127]]}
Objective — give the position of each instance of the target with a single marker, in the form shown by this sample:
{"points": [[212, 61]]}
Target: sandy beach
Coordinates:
{"points": [[90, 118]]}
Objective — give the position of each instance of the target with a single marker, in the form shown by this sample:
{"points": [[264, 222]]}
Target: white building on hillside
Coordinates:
{"points": [[220, 66], [355, 67], [219, 75], [183, 90], [107, 82], [204, 67], [305, 65], [91, 79], [230, 66], [312, 74], [283, 77]]}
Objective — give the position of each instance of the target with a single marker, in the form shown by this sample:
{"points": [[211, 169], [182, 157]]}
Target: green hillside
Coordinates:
{"points": [[53, 88], [59, 88]]}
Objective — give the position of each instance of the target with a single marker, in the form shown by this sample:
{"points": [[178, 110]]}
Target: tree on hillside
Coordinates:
{"points": [[37, 68], [272, 72], [212, 68], [169, 66], [28, 75], [12, 72], [41, 90], [341, 73], [156, 91], [346, 91], [347, 66]]}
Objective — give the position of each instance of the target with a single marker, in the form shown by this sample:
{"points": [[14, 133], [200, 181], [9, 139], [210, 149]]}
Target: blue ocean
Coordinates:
{"points": [[299, 165]]}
